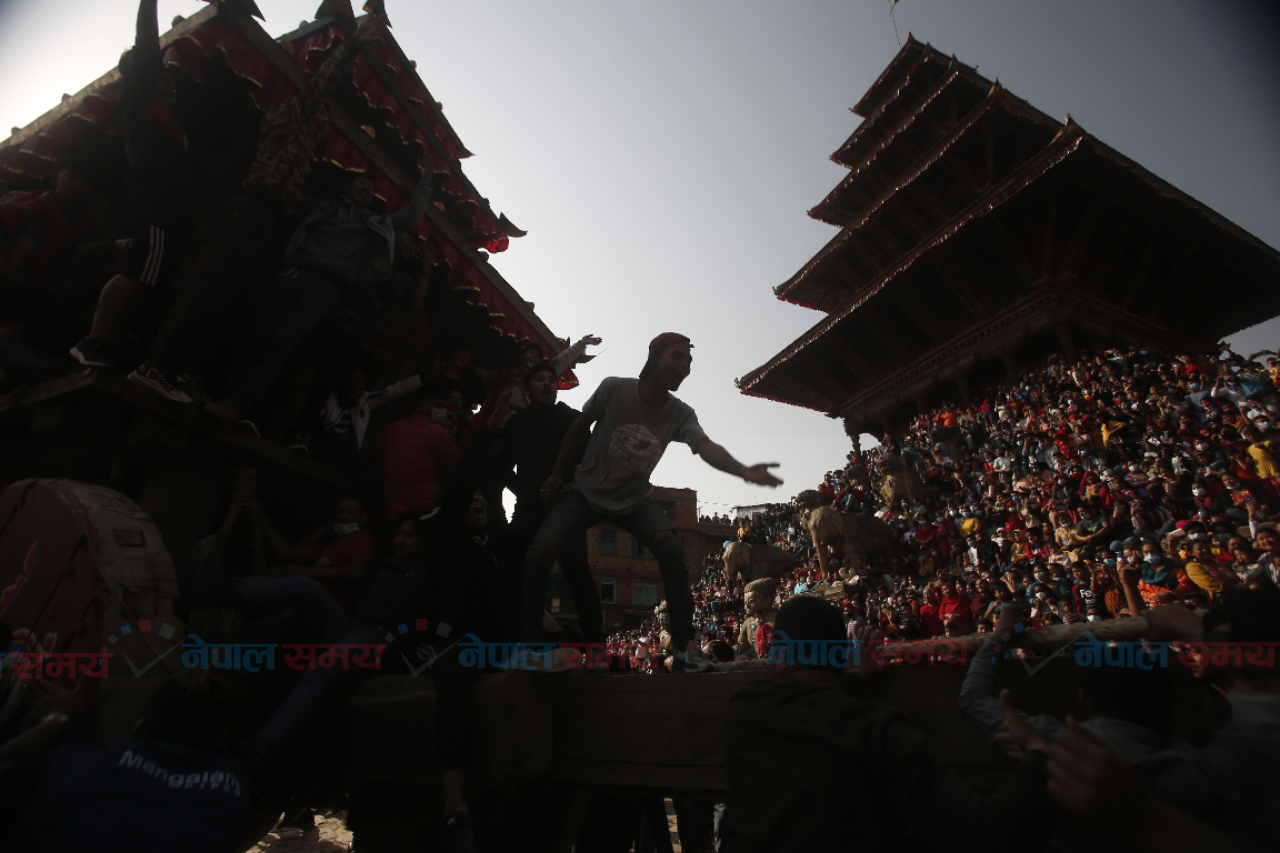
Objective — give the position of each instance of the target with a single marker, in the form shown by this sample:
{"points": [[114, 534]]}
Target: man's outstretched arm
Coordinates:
{"points": [[719, 458]]}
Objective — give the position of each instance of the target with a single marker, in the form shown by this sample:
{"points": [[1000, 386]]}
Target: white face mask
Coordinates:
{"points": [[1042, 595], [345, 529], [1094, 617]]}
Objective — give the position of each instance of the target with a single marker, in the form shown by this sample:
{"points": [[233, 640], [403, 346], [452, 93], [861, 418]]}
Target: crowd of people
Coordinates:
{"points": [[1063, 490], [1122, 483]]}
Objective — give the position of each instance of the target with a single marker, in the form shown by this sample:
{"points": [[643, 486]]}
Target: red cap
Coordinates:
{"points": [[666, 339]]}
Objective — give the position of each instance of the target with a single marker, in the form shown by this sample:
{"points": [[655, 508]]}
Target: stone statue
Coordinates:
{"points": [[757, 605], [898, 481], [946, 442], [850, 537], [752, 562]]}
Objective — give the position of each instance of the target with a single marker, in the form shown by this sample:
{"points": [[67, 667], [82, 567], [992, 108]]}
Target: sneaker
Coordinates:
{"points": [[154, 378], [248, 427], [458, 837], [95, 353]]}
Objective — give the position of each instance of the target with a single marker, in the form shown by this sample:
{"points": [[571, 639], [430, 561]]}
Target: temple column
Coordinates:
{"points": [[1067, 342]]}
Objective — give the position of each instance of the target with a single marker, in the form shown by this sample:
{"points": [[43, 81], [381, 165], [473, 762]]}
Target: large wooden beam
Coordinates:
{"points": [[659, 733]]}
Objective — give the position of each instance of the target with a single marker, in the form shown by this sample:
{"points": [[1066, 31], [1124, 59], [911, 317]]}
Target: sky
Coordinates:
{"points": [[662, 154]]}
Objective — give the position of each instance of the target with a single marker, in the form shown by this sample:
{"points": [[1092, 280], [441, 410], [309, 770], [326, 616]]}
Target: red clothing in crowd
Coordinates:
{"points": [[764, 634], [931, 620], [339, 553], [958, 607], [416, 454]]}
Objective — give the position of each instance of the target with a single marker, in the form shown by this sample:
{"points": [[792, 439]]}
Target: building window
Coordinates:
{"points": [[608, 590], [644, 592], [608, 542], [639, 549]]}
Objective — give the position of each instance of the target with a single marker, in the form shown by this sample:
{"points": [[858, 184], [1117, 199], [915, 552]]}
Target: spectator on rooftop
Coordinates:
{"points": [[158, 204], [247, 245]]}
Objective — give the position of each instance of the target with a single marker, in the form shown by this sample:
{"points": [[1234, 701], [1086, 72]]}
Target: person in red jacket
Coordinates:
{"points": [[418, 453], [956, 607]]}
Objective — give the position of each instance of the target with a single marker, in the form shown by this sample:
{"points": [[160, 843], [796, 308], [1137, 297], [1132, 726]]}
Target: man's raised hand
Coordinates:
{"points": [[760, 474]]}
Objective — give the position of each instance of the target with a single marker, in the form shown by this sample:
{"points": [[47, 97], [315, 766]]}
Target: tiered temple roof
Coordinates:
{"points": [[978, 234]]}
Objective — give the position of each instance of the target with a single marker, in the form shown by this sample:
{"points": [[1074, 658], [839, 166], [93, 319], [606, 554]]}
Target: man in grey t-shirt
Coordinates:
{"points": [[634, 421]]}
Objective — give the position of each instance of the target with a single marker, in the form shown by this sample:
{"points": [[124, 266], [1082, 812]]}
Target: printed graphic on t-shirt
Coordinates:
{"points": [[636, 447]]}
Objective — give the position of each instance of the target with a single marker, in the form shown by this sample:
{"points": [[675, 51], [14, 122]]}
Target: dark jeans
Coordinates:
{"points": [[297, 303], [232, 268], [521, 532], [568, 522], [310, 600]]}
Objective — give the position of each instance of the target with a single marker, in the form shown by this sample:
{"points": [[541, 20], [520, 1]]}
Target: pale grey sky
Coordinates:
{"points": [[662, 153]]}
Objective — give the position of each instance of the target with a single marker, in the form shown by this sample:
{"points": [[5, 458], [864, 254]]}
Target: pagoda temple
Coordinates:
{"points": [[977, 236]]}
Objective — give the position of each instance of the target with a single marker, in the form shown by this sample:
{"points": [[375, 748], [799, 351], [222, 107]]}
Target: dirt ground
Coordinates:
{"points": [[335, 838]]}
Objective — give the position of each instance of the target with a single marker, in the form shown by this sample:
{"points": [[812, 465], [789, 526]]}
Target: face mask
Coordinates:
{"points": [[1199, 492], [1042, 595], [1154, 559], [1264, 424], [1094, 617], [439, 416], [1042, 576], [345, 529], [1133, 467], [1195, 386]]}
